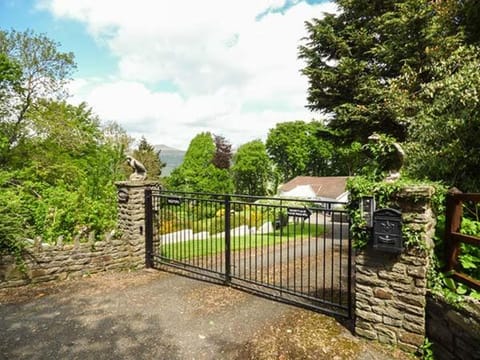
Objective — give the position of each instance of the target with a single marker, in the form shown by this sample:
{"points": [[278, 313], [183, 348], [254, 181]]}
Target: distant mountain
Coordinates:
{"points": [[172, 157]]}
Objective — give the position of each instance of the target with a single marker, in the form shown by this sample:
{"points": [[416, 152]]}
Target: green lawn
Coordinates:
{"points": [[214, 244]]}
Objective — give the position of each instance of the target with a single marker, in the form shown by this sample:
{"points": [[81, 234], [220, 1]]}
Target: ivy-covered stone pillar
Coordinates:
{"points": [[131, 217], [391, 289]]}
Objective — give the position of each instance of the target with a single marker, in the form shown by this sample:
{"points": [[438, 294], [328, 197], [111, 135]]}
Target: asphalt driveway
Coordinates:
{"points": [[157, 315]]}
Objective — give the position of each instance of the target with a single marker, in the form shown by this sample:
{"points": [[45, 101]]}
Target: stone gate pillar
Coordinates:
{"points": [[391, 289], [131, 217]]}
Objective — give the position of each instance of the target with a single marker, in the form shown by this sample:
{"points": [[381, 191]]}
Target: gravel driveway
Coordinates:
{"points": [[157, 315]]}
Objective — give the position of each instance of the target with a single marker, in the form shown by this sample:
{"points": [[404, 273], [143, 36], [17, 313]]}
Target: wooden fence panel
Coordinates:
{"points": [[453, 237]]}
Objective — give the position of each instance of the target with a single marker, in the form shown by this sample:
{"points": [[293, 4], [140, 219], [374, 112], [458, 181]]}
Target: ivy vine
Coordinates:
{"points": [[384, 194], [385, 197]]}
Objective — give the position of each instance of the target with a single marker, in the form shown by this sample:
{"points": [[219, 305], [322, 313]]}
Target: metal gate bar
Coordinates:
{"points": [[295, 250]]}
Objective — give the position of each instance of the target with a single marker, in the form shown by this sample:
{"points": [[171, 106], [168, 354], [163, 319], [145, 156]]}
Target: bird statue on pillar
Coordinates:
{"points": [[392, 158], [139, 171]]}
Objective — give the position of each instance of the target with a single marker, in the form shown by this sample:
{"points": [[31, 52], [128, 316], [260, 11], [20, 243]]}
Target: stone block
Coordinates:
{"points": [[101, 259], [405, 288], [415, 300], [420, 283], [399, 268], [387, 320], [46, 278], [415, 260], [414, 328], [370, 300], [34, 273], [408, 347], [365, 325], [368, 334], [408, 308], [363, 306], [360, 269], [412, 339], [81, 259], [380, 310], [368, 316], [363, 289], [120, 254], [394, 313], [417, 271], [53, 270], [13, 273], [14, 283], [116, 266], [384, 339], [74, 268], [386, 335], [393, 276], [370, 281], [382, 293], [372, 262], [415, 319]]}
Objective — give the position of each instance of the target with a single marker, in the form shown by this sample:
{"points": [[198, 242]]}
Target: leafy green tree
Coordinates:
{"points": [[63, 176], [215, 180], [64, 139], [444, 136], [44, 72], [350, 58], [405, 69], [223, 153], [300, 148], [150, 158], [14, 225], [251, 169], [117, 141], [10, 74], [442, 110], [197, 157], [288, 144], [58, 164], [198, 172], [348, 160]]}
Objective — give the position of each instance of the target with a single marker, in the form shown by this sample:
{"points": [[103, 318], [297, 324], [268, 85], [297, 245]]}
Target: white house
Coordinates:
{"points": [[327, 188]]}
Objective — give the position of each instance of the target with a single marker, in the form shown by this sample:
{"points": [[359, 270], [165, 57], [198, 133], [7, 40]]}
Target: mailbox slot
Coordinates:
{"points": [[387, 230], [367, 207]]}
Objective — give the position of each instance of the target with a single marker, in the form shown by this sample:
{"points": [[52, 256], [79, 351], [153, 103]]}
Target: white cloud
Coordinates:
{"points": [[234, 72]]}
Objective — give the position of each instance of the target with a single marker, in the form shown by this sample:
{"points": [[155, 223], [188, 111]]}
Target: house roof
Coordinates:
{"points": [[328, 186]]}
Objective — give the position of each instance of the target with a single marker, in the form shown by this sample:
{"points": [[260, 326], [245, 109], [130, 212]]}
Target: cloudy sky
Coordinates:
{"points": [[169, 70]]}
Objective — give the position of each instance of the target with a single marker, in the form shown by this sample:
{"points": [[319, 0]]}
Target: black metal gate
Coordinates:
{"points": [[297, 251]]}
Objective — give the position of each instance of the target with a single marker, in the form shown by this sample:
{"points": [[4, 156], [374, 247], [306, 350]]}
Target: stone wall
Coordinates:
{"points": [[44, 262], [391, 289], [49, 263], [454, 332]]}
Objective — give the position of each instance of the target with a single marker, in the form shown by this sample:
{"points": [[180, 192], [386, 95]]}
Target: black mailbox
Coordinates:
{"points": [[387, 230]]}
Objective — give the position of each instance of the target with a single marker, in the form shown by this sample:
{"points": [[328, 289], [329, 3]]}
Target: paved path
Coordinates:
{"points": [[147, 315]]}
